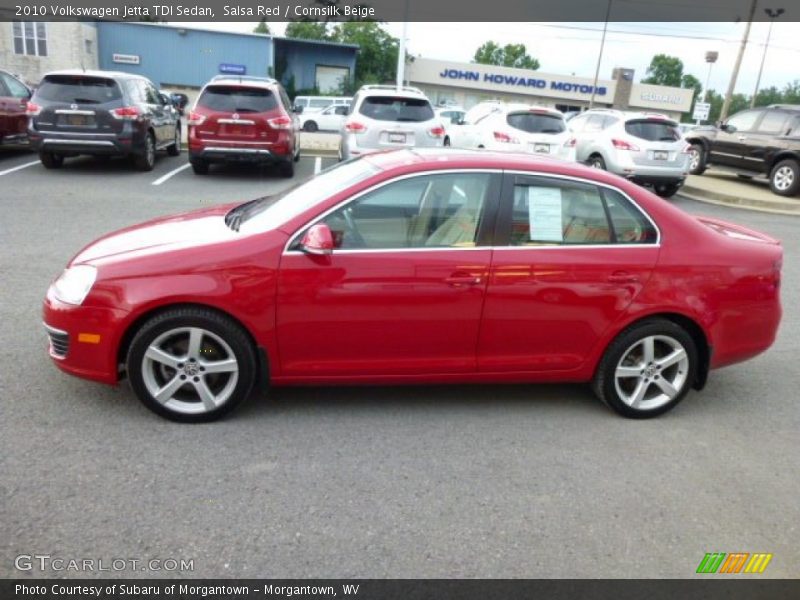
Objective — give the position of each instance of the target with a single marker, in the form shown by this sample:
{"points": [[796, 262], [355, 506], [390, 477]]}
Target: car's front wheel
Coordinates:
{"points": [[310, 126], [647, 369], [784, 179], [697, 159], [51, 160], [191, 365]]}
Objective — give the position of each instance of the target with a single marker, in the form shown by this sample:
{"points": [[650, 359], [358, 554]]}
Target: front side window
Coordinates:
{"points": [[431, 211], [15, 88], [744, 121], [30, 38]]}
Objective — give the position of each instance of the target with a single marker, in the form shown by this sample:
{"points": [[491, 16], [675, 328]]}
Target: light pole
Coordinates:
{"points": [[772, 14], [726, 104], [711, 58]]}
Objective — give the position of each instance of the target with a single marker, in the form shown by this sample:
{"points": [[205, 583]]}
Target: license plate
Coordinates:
{"points": [[544, 148], [397, 138], [77, 120], [660, 155]]}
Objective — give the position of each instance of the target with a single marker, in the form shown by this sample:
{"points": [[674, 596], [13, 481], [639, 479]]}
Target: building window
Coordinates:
{"points": [[88, 45], [30, 38]]}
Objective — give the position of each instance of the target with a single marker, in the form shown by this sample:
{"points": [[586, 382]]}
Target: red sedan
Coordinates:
{"points": [[420, 267]]}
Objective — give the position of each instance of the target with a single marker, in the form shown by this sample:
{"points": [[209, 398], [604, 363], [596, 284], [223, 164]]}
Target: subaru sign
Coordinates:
{"points": [[231, 69]]}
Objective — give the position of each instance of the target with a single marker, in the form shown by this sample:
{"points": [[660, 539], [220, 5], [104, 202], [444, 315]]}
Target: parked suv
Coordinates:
{"points": [[14, 96], [101, 113], [382, 117], [243, 119], [646, 148], [760, 142]]}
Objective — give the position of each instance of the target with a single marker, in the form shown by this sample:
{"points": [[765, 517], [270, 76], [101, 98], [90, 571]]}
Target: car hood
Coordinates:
{"points": [[196, 228]]}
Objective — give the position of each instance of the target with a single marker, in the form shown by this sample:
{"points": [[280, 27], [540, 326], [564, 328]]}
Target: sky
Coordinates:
{"points": [[572, 48]]}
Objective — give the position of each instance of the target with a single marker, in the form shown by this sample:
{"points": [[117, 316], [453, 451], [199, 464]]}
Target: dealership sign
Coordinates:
{"points": [[125, 59], [232, 69], [519, 81]]}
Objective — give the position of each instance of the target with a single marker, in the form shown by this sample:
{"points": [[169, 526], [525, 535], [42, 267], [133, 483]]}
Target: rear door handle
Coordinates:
{"points": [[463, 279], [622, 277]]}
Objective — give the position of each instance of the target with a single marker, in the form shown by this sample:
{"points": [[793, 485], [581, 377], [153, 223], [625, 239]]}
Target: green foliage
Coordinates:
{"points": [[693, 83], [262, 27], [308, 30], [510, 55], [377, 55], [665, 70]]}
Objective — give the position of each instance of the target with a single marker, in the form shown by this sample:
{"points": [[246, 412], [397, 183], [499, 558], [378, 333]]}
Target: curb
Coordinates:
{"points": [[781, 207]]}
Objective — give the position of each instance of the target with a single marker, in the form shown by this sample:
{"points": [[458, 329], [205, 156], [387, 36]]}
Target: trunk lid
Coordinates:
{"points": [[737, 232]]}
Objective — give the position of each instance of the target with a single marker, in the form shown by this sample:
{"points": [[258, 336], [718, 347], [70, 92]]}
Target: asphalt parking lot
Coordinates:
{"points": [[451, 481]]}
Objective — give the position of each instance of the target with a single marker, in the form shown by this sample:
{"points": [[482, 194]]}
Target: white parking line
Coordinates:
{"points": [[317, 165], [25, 166], [163, 178]]}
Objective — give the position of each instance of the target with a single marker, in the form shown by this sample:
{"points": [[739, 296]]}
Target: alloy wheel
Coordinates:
{"points": [[783, 178], [652, 372]]}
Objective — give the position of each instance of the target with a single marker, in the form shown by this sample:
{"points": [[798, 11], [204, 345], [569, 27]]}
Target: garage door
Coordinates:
{"points": [[330, 80]]}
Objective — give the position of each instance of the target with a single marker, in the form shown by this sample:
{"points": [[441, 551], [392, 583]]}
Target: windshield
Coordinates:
{"points": [[272, 212], [78, 90]]}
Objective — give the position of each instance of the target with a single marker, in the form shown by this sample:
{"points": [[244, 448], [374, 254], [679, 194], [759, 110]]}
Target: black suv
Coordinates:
{"points": [[101, 113], [760, 142]]}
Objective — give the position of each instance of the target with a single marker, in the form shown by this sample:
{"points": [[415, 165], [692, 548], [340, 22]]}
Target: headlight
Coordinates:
{"points": [[74, 284]]}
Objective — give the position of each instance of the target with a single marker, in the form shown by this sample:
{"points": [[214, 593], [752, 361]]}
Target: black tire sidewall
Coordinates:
{"points": [[597, 160], [214, 322], [310, 127], [605, 379], [792, 189], [175, 149]]}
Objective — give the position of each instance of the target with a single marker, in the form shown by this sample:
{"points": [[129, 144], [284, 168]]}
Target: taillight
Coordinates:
{"points": [[571, 143], [32, 109], [355, 127], [280, 122], [504, 138], [623, 145], [126, 113], [436, 132], [195, 118]]}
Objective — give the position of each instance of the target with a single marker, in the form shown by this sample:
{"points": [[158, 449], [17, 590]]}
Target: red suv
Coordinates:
{"points": [[14, 96], [243, 119]]}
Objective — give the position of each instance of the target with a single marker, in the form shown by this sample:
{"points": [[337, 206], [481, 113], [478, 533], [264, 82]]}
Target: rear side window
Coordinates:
{"points": [[236, 99], [773, 122], [390, 108], [653, 130], [531, 122], [630, 225], [79, 90]]}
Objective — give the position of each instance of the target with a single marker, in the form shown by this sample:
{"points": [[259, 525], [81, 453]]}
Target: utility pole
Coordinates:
{"points": [[401, 51], [772, 14], [600, 56], [729, 94]]}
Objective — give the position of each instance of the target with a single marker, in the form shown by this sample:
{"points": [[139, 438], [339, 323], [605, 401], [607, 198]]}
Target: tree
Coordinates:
{"points": [[665, 70], [377, 50], [308, 30], [262, 27], [510, 55], [767, 96], [691, 82]]}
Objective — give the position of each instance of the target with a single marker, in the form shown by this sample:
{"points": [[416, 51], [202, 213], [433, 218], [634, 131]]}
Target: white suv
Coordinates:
{"points": [[382, 117]]}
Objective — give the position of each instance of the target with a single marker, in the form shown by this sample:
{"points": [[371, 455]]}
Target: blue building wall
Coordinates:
{"points": [[302, 59], [181, 56]]}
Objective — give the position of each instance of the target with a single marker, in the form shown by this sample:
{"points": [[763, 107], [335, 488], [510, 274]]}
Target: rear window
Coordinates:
{"points": [[236, 99], [531, 122], [391, 108], [653, 130], [78, 90]]}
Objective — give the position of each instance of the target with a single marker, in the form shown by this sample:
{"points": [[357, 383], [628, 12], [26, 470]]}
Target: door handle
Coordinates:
{"points": [[742, 138], [622, 277], [463, 279]]}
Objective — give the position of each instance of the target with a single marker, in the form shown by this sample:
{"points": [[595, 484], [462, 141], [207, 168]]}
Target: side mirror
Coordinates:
{"points": [[317, 240]]}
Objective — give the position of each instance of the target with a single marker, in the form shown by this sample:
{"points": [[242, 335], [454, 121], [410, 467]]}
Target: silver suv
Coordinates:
{"points": [[382, 117], [644, 147]]}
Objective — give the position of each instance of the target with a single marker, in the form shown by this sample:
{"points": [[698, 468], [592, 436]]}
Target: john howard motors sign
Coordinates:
{"points": [[521, 81]]}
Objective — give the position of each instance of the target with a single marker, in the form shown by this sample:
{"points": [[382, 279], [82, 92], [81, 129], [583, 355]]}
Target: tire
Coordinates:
{"points": [[310, 126], [174, 353], [697, 159], [50, 160], [784, 179], [647, 379], [596, 162], [447, 141], [286, 169], [666, 190], [147, 160], [175, 148], [200, 167]]}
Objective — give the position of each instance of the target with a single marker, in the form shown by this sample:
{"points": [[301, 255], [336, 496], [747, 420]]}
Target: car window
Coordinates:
{"points": [[394, 108], [532, 122], [287, 104], [78, 90], [773, 122], [576, 124], [341, 110], [15, 88], [319, 102], [421, 212], [653, 130], [629, 225], [153, 97], [237, 99], [744, 121], [3, 89], [594, 123]]}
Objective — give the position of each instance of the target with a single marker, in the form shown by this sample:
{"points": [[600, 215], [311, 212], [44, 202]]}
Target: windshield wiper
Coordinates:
{"points": [[240, 213]]}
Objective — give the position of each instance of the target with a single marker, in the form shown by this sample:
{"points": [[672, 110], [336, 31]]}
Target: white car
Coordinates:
{"points": [[515, 128], [328, 119]]}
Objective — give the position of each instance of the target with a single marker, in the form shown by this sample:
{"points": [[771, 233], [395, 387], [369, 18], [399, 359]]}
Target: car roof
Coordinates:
{"points": [[629, 114], [244, 81], [95, 73], [391, 90]]}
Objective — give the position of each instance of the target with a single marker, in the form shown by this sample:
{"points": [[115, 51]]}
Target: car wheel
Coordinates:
{"points": [[175, 148], [647, 369], [50, 160], [596, 162], [200, 167], [191, 365], [286, 169], [447, 141], [310, 126], [784, 179], [147, 159], [697, 159], [666, 190]]}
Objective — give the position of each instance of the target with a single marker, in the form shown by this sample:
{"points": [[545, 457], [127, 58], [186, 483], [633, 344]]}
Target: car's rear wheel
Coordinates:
{"points": [[200, 167], [647, 370], [146, 161], [51, 160], [191, 365], [174, 149], [286, 168], [666, 190], [596, 162], [784, 179], [310, 126], [447, 141], [697, 159]]}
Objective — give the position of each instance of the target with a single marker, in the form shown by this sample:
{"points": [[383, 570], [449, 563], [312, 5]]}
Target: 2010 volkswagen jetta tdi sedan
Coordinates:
{"points": [[420, 267]]}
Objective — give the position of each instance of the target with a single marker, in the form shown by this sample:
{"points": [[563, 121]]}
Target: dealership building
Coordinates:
{"points": [[467, 84]]}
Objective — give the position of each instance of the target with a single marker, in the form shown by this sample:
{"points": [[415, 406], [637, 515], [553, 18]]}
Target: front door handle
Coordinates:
{"points": [[622, 277], [463, 279]]}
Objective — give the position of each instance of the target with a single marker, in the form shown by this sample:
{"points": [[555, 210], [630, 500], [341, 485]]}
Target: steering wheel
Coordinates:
{"points": [[356, 239]]}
